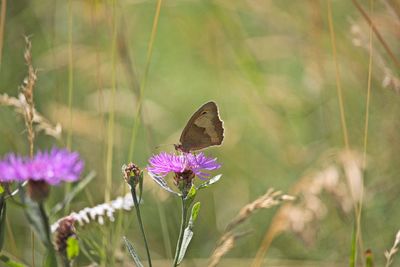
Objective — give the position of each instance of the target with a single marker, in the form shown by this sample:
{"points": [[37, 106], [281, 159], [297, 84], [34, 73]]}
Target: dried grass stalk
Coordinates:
{"points": [[353, 170], [270, 199], [20, 106], [25, 104], [389, 254], [360, 38], [27, 90], [341, 178], [226, 243]]}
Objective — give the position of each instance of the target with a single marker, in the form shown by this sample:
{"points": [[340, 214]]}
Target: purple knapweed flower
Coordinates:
{"points": [[52, 167], [164, 163]]}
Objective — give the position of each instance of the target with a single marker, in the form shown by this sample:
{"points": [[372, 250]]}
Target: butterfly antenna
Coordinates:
{"points": [[157, 147]]}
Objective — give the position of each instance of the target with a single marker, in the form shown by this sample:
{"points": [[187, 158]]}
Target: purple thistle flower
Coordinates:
{"points": [[164, 163], [52, 167]]}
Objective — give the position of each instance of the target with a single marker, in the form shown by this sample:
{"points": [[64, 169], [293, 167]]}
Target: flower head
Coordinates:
{"points": [[64, 231], [52, 167], [164, 163], [132, 174]]}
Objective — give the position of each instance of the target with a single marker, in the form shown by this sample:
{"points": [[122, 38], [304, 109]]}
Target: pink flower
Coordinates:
{"points": [[52, 167], [164, 163]]}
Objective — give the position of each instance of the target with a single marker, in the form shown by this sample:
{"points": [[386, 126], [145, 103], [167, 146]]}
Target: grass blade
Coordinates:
{"points": [[353, 253], [73, 193], [2, 221], [188, 234], [161, 182], [210, 181], [132, 252]]}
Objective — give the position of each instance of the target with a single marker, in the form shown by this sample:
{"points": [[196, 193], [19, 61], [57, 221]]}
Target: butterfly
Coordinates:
{"points": [[203, 129]]}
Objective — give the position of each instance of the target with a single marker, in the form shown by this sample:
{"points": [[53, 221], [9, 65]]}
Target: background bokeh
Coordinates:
{"points": [[270, 67]]}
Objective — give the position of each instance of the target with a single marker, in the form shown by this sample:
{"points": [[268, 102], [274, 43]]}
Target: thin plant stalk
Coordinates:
{"points": [[144, 79], [111, 118], [139, 218], [65, 262], [181, 231], [70, 73], [389, 254], [33, 247], [338, 80], [28, 93], [70, 87], [366, 123], [46, 224], [2, 27], [378, 35], [369, 261], [353, 254]]}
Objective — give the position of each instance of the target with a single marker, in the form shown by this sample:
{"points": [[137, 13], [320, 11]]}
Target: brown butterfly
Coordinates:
{"points": [[203, 129]]}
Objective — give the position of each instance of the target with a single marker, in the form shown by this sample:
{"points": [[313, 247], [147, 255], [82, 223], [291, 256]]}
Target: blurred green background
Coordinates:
{"points": [[268, 64]]}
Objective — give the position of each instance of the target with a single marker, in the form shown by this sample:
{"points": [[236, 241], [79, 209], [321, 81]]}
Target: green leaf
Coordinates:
{"points": [[72, 248], [132, 252], [195, 213], [210, 182], [187, 237], [1, 189], [188, 234], [2, 221], [161, 182], [191, 195], [34, 215], [73, 193], [10, 263], [39, 221]]}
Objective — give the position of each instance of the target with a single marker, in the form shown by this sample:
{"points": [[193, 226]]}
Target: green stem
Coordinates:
{"points": [[51, 257], [353, 254], [139, 217], [181, 231], [65, 260], [46, 225]]}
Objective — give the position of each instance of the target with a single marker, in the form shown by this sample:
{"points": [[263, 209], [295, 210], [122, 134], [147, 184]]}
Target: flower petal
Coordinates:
{"points": [[164, 163], [53, 167]]}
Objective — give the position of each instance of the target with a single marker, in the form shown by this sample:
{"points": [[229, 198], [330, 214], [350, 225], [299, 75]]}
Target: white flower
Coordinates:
{"points": [[98, 212]]}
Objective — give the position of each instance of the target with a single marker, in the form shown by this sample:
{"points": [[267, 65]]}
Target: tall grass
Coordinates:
{"points": [[291, 85]]}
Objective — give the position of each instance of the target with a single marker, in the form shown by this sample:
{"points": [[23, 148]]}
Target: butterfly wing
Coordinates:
{"points": [[204, 129]]}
